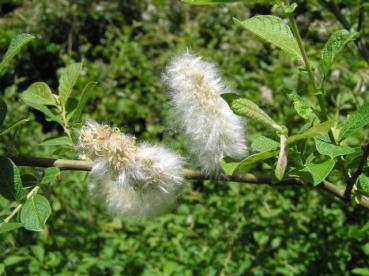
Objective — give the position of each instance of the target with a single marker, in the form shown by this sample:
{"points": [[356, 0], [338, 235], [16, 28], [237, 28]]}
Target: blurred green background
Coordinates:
{"points": [[216, 228]]}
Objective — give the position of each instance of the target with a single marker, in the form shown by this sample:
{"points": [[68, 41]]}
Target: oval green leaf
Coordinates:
{"points": [[354, 122], [38, 93], [333, 47], [68, 79], [35, 212], [6, 227], [273, 30], [10, 180], [14, 47]]}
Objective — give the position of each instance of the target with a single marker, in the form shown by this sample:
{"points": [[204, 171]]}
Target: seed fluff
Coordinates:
{"points": [[214, 131], [135, 180]]}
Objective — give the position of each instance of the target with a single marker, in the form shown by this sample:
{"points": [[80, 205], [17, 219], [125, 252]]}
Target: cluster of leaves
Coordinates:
{"points": [[16, 187], [317, 165], [60, 108], [231, 229]]}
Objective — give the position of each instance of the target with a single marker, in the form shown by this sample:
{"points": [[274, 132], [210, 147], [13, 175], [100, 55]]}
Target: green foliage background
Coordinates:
{"points": [[217, 228]]}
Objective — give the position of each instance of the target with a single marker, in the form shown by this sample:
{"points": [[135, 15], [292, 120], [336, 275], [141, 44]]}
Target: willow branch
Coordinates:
{"points": [[358, 171], [81, 165]]}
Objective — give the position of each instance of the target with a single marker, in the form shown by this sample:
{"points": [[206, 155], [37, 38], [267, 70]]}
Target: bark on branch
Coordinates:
{"points": [[248, 178]]}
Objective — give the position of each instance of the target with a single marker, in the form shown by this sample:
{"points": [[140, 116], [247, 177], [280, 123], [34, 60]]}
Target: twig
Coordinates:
{"points": [[357, 173], [361, 16], [248, 178]]}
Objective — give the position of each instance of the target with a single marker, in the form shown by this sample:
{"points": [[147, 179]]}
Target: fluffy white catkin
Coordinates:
{"points": [[138, 181], [212, 128]]}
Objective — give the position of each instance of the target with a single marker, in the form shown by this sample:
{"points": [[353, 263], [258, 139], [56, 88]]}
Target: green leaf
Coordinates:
{"points": [[6, 227], [361, 271], [71, 108], [290, 8], [67, 81], [312, 132], [57, 141], [354, 122], [363, 184], [316, 171], [35, 212], [51, 114], [13, 126], [263, 144], [301, 107], [15, 45], [229, 165], [13, 260], [333, 47], [273, 30], [3, 111], [10, 180], [247, 108], [254, 158], [38, 93], [209, 2], [39, 252], [50, 175], [325, 147], [86, 95], [215, 2]]}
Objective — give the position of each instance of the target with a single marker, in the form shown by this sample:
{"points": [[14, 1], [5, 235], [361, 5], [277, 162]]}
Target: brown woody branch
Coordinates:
{"points": [[249, 178], [357, 173]]}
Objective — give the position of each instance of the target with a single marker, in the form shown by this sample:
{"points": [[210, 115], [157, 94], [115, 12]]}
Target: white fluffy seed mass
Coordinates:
{"points": [[138, 181], [212, 128]]}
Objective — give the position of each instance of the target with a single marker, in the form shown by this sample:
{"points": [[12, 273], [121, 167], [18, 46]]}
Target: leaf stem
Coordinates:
{"points": [[319, 93], [20, 205]]}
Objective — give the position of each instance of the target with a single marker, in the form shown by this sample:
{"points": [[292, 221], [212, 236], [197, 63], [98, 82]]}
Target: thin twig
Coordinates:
{"points": [[361, 16], [357, 173], [248, 178]]}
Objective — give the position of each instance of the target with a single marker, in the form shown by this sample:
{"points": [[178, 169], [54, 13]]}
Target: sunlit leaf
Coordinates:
{"points": [[301, 107], [262, 144], [6, 227], [14, 126], [67, 81], [333, 47], [312, 132], [38, 93], [316, 171], [229, 165], [273, 30], [15, 46], [57, 141], [249, 109], [254, 158], [86, 95], [325, 147], [35, 212], [354, 122]]}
